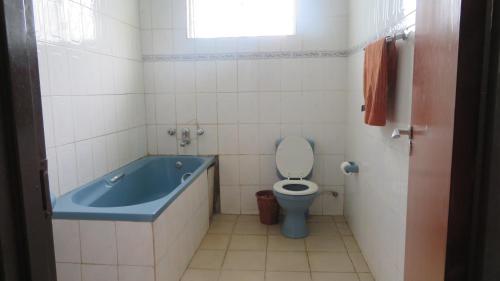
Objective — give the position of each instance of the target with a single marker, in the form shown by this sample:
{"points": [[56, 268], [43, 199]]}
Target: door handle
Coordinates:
{"points": [[397, 133]]}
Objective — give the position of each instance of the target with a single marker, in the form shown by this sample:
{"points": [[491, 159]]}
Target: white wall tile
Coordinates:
{"points": [[185, 77], [268, 172], [82, 106], [164, 77], [161, 15], [146, 13], [207, 143], [206, 108], [249, 169], [58, 70], [69, 271], [165, 109], [227, 76], [98, 242], [91, 272], [99, 155], [53, 169], [182, 44], [248, 135], [227, 108], [269, 108], [248, 107], [230, 200], [67, 240], [291, 108], [163, 41], [135, 243], [152, 140], [179, 14], [268, 135], [229, 169], [248, 75], [133, 273], [62, 108], [185, 109], [112, 151], [206, 79], [66, 166], [84, 161], [248, 200], [48, 121], [269, 78]]}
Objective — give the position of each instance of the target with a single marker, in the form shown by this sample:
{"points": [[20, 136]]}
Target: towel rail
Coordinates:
{"points": [[403, 35]]}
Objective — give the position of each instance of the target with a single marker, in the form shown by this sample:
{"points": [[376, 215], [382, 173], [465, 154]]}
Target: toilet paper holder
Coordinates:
{"points": [[349, 168]]}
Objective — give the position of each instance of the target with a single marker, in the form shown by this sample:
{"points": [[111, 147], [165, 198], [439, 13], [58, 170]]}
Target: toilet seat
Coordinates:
{"points": [[311, 187]]}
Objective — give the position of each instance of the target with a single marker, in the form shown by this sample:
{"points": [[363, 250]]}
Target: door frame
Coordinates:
{"points": [[26, 245]]}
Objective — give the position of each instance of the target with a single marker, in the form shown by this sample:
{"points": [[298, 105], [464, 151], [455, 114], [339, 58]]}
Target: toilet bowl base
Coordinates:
{"points": [[296, 208]]}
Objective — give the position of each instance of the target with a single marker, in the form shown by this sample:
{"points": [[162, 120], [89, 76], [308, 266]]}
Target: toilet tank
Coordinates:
{"points": [[308, 177]]}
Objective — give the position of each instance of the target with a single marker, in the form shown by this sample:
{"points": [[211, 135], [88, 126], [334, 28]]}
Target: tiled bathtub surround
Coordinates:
{"points": [[376, 197], [90, 65], [245, 104], [133, 251]]}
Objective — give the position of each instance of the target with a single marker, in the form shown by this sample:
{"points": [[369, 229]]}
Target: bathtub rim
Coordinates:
{"points": [[66, 209]]}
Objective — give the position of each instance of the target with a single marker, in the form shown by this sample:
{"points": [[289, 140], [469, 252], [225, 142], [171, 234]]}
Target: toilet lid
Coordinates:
{"points": [[294, 157]]}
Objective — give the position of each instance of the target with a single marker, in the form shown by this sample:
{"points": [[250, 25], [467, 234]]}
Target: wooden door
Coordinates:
{"points": [[445, 106], [26, 243]]}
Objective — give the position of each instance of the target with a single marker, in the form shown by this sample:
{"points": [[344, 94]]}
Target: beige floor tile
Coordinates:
{"points": [[359, 262], [221, 227], [214, 242], [200, 275], [322, 228], [248, 242], [325, 244], [287, 261], [281, 243], [366, 277], [224, 217], [274, 229], [245, 260], [324, 276], [344, 228], [330, 262], [320, 219], [351, 244], [241, 275], [255, 228], [207, 259], [339, 219], [248, 218], [288, 276]]}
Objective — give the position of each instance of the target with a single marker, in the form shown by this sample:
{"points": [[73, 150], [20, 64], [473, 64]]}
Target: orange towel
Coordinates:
{"points": [[379, 79]]}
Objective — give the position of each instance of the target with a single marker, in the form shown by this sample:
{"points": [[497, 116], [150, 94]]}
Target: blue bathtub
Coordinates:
{"points": [[139, 191]]}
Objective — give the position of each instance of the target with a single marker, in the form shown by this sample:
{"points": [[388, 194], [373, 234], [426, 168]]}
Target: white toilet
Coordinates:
{"points": [[295, 193]]}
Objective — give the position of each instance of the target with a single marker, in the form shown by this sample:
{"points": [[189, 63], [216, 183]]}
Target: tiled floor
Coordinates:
{"points": [[239, 248]]}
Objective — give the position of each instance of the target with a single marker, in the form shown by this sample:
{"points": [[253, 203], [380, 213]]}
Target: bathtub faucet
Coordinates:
{"points": [[186, 137], [117, 178]]}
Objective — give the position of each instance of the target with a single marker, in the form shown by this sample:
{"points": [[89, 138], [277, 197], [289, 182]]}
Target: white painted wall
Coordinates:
{"points": [[90, 64], [245, 105], [375, 204]]}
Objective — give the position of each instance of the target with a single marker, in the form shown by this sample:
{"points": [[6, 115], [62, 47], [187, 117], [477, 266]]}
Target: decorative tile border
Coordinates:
{"points": [[245, 56], [406, 22]]}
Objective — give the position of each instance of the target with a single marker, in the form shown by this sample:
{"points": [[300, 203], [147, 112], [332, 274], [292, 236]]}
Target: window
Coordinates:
{"points": [[240, 18]]}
